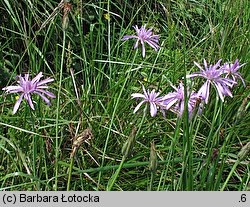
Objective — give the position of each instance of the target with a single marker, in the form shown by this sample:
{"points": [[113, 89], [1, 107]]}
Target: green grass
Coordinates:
{"points": [[95, 74]]}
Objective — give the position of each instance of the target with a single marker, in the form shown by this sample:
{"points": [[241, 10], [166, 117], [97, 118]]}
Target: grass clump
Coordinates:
{"points": [[80, 45]]}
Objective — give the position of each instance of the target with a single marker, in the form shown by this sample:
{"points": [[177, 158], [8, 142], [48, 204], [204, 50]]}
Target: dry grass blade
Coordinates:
{"points": [[78, 140], [53, 14]]}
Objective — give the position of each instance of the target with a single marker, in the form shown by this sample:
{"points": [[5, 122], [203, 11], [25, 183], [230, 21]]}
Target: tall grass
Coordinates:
{"points": [[95, 74]]}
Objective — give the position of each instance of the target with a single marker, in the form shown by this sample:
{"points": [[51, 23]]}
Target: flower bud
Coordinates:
{"points": [[65, 22], [242, 111], [244, 152], [153, 162], [128, 146]]}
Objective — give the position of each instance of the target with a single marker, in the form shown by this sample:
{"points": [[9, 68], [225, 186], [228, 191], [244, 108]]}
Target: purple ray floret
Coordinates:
{"points": [[26, 87], [143, 36], [231, 71], [151, 98], [177, 100], [213, 75]]}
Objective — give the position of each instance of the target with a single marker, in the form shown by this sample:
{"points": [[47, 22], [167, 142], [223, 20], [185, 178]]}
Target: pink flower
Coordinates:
{"points": [[231, 71], [213, 76], [26, 87], [177, 100], [151, 98], [143, 36]]}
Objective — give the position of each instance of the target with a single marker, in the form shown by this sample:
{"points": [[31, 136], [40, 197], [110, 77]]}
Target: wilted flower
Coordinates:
{"points": [[143, 36], [231, 71], [151, 98], [177, 98], [66, 9], [78, 140], [26, 87], [213, 75]]}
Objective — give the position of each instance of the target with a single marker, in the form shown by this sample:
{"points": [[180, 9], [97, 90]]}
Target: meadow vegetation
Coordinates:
{"points": [[89, 138]]}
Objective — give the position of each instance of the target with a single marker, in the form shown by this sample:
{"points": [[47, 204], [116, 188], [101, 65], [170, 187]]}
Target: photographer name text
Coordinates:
{"points": [[63, 198]]}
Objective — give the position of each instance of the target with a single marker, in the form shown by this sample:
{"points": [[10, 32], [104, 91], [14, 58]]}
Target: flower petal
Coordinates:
{"points": [[204, 91], [13, 89], [145, 92], [30, 102], [37, 78], [143, 49], [153, 109], [45, 81], [152, 44], [193, 75], [136, 44], [137, 95], [126, 37], [219, 90], [138, 106], [17, 104], [49, 94], [170, 103], [198, 66], [44, 98], [242, 80]]}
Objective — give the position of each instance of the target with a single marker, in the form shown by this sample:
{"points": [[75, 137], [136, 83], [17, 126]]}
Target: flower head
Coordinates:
{"points": [[231, 71], [213, 75], [143, 36], [178, 99], [151, 98], [26, 87]]}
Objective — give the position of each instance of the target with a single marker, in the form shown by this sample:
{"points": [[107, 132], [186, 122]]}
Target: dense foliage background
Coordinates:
{"points": [[78, 43]]}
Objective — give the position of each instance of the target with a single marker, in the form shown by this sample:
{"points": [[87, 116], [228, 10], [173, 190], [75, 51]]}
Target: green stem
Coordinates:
{"points": [[57, 112], [34, 147], [187, 139], [173, 152], [230, 175], [209, 144], [113, 114], [151, 181], [78, 171], [70, 172], [115, 176]]}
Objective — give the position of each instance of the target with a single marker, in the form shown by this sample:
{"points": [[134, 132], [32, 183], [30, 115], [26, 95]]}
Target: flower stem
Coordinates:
{"points": [[57, 112], [34, 148], [230, 175], [70, 172], [115, 176], [151, 181], [113, 114]]}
